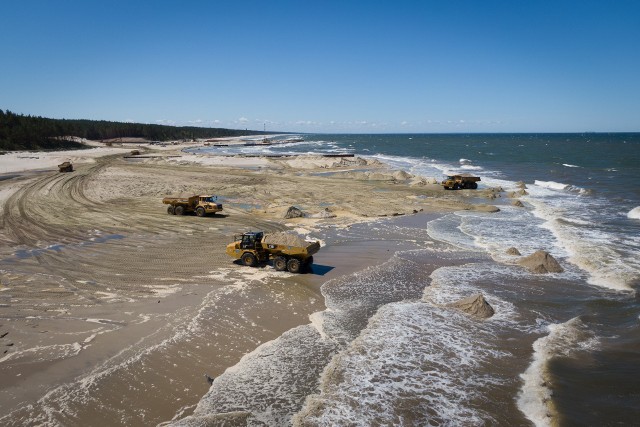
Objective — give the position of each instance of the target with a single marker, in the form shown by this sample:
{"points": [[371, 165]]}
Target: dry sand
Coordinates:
{"points": [[110, 306]]}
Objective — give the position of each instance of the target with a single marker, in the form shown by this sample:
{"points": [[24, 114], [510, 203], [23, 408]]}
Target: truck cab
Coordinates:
{"points": [[249, 240]]}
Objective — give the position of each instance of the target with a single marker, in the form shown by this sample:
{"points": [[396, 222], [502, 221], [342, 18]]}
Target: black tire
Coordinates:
{"points": [[294, 265], [474, 185], [249, 259], [309, 260], [456, 187], [171, 210], [179, 210], [280, 263], [200, 211]]}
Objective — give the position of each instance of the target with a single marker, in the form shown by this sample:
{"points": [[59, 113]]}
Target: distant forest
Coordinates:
{"points": [[20, 132]]}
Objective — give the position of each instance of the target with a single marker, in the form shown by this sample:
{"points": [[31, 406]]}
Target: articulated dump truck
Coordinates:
{"points": [[458, 182], [287, 250], [200, 204]]}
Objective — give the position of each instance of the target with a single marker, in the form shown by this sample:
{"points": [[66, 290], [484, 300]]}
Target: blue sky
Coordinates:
{"points": [[327, 66]]}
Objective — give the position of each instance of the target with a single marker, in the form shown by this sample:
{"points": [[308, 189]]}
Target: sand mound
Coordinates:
{"points": [[293, 212], [515, 194], [513, 251], [474, 305], [285, 238], [485, 208], [541, 262], [326, 213], [401, 176], [517, 203], [521, 185]]}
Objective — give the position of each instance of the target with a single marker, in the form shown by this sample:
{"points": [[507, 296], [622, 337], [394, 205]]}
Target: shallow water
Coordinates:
{"points": [[562, 348]]}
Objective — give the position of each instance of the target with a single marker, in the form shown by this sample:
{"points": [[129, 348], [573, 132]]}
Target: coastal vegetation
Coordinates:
{"points": [[20, 132]]}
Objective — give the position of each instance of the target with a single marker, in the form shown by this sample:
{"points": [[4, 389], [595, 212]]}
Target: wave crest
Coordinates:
{"points": [[634, 213]]}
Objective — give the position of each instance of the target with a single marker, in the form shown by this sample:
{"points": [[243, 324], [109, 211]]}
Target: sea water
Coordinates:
{"points": [[561, 349]]}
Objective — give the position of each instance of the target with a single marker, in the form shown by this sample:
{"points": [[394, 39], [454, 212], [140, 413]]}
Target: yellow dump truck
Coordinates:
{"points": [[458, 182], [288, 251], [200, 204]]}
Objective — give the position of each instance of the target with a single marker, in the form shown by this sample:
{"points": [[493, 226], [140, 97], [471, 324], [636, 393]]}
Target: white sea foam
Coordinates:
{"points": [[470, 167], [410, 354], [570, 166], [268, 385], [46, 352], [634, 213], [447, 229], [590, 248], [551, 185], [536, 396]]}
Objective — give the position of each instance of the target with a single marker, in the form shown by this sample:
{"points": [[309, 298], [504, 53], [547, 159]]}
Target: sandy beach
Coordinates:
{"points": [[110, 306]]}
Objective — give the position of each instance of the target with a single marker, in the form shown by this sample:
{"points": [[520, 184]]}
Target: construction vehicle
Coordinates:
{"points": [[65, 167], [464, 181], [200, 204], [287, 251]]}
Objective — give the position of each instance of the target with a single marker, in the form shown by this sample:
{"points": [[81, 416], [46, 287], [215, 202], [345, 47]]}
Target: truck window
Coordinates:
{"points": [[248, 242]]}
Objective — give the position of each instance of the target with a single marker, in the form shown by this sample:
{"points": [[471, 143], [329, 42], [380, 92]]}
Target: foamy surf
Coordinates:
{"points": [[551, 185], [588, 247], [634, 213], [415, 364], [536, 396]]}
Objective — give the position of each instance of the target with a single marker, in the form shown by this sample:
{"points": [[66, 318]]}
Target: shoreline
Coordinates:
{"points": [[121, 198]]}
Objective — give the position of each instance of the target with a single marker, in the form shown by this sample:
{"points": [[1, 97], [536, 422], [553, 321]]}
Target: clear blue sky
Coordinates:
{"points": [[327, 66]]}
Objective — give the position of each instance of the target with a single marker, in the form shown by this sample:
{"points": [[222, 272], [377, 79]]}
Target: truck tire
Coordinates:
{"points": [[294, 265], [179, 210], [456, 186], [249, 259], [280, 263], [171, 210], [200, 211], [474, 185]]}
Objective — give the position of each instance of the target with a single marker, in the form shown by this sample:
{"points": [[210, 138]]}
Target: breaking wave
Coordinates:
{"points": [[634, 213], [536, 396]]}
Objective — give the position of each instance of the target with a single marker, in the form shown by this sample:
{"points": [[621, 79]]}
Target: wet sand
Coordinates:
{"points": [[112, 311]]}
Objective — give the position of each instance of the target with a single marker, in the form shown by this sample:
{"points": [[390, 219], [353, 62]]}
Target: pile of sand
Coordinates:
{"points": [[294, 212], [285, 238], [515, 194], [541, 262], [513, 251], [326, 213], [402, 175], [474, 305]]}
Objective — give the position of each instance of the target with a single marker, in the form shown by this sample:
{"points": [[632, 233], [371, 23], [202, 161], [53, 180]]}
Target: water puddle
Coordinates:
{"points": [[30, 253]]}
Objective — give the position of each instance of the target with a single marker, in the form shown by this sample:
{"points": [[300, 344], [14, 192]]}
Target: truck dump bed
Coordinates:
{"points": [[289, 244], [174, 200]]}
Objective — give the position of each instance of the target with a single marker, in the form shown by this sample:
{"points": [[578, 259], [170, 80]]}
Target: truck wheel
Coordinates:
{"points": [[249, 259], [280, 263], [200, 211], [456, 187], [179, 210], [474, 185], [170, 210], [294, 265]]}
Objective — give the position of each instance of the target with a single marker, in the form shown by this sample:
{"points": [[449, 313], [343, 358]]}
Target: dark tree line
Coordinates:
{"points": [[20, 132]]}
